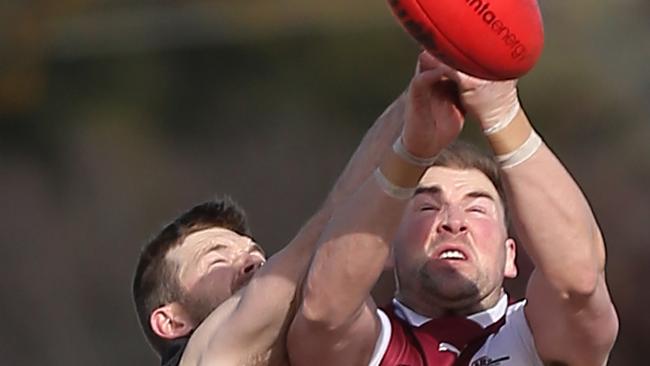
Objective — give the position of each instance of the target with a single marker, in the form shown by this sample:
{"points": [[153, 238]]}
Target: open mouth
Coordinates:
{"points": [[452, 254]]}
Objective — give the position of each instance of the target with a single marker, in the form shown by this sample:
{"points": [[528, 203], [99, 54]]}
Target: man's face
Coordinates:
{"points": [[212, 265], [452, 250]]}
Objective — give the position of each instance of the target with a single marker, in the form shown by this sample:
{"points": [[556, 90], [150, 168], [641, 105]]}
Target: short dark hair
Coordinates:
{"points": [[463, 155], [156, 281]]}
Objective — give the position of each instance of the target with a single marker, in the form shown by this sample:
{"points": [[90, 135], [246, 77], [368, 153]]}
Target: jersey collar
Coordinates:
{"points": [[484, 318]]}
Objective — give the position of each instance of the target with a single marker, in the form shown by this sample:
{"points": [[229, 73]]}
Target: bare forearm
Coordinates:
{"points": [[357, 242], [279, 277], [356, 245], [295, 257], [337, 313], [554, 222], [285, 269], [366, 158], [569, 309], [352, 256]]}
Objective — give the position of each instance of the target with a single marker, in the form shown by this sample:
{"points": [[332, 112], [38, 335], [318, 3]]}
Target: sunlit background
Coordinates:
{"points": [[115, 116]]}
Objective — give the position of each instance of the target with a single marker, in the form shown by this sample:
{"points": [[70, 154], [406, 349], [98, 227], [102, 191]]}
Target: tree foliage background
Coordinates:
{"points": [[115, 116]]}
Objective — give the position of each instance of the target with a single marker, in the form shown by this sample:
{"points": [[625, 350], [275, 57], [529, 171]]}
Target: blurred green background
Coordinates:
{"points": [[117, 115]]}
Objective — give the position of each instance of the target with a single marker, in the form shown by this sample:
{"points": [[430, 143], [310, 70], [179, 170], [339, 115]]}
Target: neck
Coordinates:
{"points": [[435, 307]]}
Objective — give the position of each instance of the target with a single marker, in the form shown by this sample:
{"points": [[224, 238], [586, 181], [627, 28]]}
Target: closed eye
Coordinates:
{"points": [[429, 208], [217, 261], [477, 209]]}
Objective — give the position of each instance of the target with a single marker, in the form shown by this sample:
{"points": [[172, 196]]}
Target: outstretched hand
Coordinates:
{"points": [[488, 101], [433, 116]]}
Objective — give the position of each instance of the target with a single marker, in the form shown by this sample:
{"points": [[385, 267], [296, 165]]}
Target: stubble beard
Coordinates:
{"points": [[198, 308], [449, 287]]}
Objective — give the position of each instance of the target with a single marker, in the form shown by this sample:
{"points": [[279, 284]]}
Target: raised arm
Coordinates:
{"points": [[293, 259], [569, 308], [336, 323], [253, 320]]}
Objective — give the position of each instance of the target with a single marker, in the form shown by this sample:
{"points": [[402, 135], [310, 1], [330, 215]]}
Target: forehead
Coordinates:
{"points": [[457, 182], [200, 240]]}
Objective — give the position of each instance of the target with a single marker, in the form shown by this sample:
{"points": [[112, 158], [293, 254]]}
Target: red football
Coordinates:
{"points": [[495, 40]]}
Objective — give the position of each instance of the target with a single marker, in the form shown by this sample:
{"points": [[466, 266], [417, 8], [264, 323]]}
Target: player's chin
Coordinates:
{"points": [[454, 279], [452, 274], [455, 293]]}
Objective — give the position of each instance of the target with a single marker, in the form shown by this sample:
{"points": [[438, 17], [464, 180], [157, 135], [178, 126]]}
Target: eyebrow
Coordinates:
{"points": [[433, 190], [480, 194], [213, 248], [219, 247]]}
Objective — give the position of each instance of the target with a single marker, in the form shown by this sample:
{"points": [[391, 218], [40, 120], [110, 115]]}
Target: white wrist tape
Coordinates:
{"points": [[391, 189], [522, 153], [505, 121], [400, 150]]}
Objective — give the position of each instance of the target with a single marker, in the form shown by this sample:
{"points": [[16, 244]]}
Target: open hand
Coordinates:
{"points": [[433, 116], [489, 101]]}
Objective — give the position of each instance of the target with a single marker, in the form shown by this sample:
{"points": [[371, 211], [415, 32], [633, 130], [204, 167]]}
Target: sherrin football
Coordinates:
{"points": [[494, 40]]}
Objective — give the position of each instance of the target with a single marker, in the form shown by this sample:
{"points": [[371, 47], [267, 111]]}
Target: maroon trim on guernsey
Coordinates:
{"points": [[474, 345], [418, 346]]}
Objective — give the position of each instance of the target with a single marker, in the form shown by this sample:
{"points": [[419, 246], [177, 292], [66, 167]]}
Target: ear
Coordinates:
{"points": [[510, 270], [170, 321]]}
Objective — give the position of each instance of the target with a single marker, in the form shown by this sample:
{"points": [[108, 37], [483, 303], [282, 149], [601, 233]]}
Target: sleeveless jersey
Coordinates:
{"points": [[504, 338]]}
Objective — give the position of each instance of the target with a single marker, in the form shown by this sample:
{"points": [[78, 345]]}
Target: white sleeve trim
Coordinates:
{"points": [[383, 340]]}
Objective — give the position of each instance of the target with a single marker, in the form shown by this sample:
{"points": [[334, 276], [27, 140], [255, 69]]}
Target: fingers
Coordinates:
{"points": [[422, 83], [448, 89], [424, 63], [427, 61]]}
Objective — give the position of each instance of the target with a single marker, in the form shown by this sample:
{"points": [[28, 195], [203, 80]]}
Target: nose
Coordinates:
{"points": [[452, 221], [251, 264]]}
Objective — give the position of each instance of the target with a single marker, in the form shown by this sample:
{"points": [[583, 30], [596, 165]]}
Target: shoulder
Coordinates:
{"points": [[516, 317], [513, 344], [395, 343]]}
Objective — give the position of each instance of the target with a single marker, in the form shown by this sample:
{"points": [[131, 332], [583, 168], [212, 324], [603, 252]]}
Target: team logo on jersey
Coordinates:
{"points": [[487, 361]]}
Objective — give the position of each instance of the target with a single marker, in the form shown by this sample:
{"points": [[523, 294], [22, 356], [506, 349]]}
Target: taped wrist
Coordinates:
{"points": [[503, 121], [515, 142], [522, 153], [399, 172], [400, 150], [391, 189]]}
